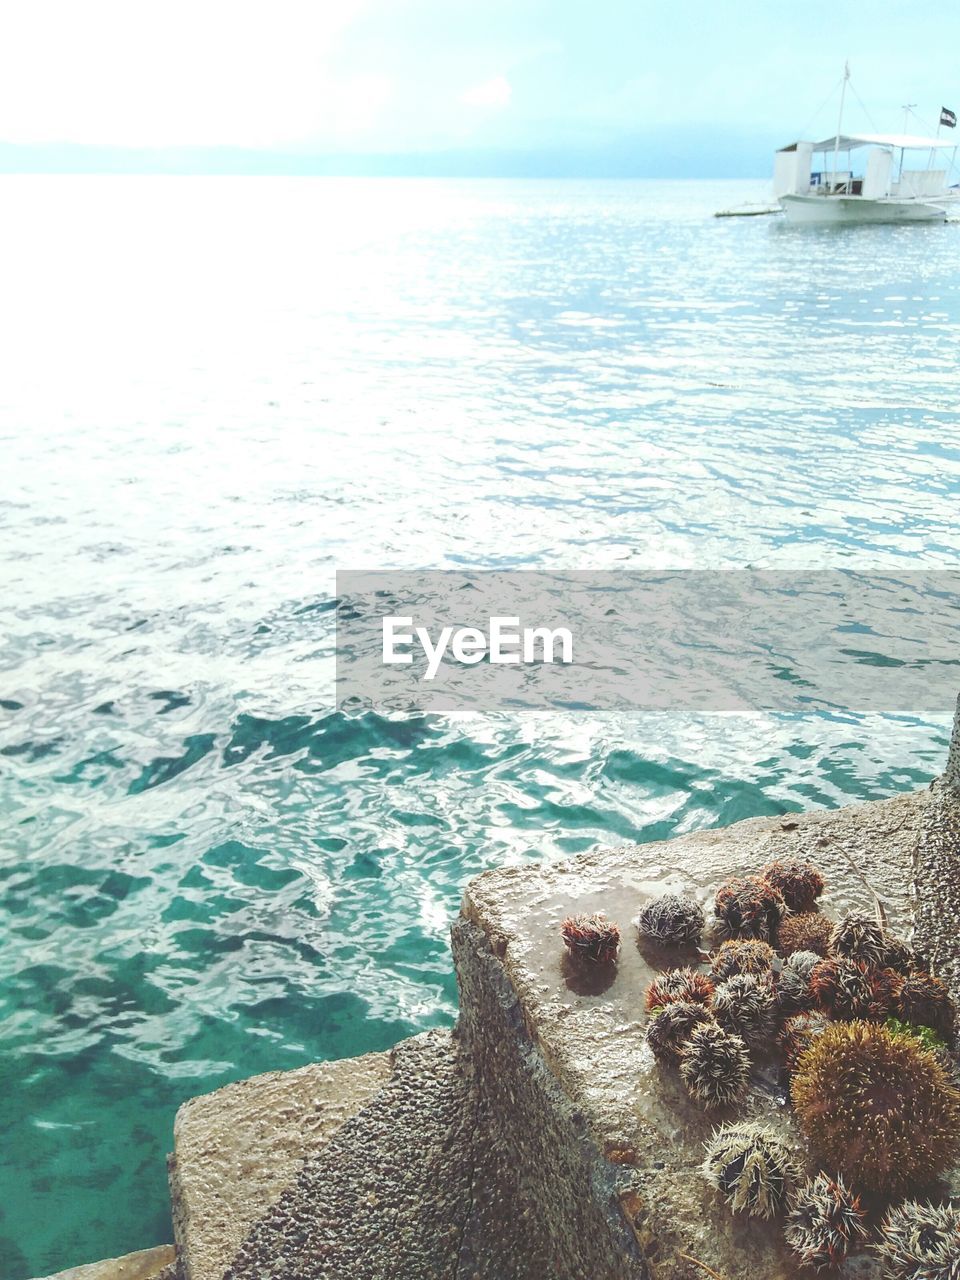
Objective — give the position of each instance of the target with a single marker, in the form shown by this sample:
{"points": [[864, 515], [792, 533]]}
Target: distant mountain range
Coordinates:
{"points": [[673, 154]]}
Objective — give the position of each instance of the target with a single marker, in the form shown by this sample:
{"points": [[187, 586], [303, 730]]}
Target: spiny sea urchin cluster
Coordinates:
{"points": [[748, 908], [672, 1025], [746, 1004], [679, 984], [793, 984], [921, 1242], [752, 1167], [672, 920], [824, 1223], [736, 956], [714, 1066], [591, 937], [806, 931], [800, 884], [877, 1107]]}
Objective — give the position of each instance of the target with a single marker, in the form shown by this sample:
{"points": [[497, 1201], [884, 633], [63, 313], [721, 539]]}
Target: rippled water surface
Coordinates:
{"points": [[216, 392]]}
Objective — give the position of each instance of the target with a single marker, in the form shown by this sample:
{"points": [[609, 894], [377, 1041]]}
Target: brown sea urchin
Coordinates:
{"points": [[748, 908], [808, 931], [921, 1242], [679, 984], [846, 990], [752, 1168], [857, 937], [877, 1107], [925, 1001], [714, 1066], [800, 884], [672, 920], [671, 1026], [736, 956], [591, 937], [746, 1004], [824, 1223]]}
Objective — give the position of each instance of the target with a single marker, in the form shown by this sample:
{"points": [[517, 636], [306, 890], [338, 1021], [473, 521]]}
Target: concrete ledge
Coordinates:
{"points": [[236, 1150], [597, 1148], [147, 1264]]}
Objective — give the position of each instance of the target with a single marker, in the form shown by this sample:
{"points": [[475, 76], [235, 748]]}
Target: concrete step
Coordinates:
{"points": [[146, 1264], [238, 1149], [389, 1194]]}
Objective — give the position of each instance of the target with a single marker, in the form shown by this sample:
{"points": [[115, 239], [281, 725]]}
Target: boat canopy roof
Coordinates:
{"points": [[848, 141]]}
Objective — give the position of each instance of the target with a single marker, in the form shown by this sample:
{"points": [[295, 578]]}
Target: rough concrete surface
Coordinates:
{"points": [[597, 1146], [389, 1195], [147, 1264], [236, 1150]]}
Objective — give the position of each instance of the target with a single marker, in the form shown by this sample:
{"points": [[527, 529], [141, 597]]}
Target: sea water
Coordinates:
{"points": [[216, 392]]}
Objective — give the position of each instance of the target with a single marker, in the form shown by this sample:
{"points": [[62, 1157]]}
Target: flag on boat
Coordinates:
{"points": [[948, 117]]}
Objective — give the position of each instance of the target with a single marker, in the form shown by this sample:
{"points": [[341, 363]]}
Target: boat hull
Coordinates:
{"points": [[855, 210]]}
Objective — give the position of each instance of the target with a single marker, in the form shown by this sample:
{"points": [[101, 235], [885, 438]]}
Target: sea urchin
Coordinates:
{"points": [[857, 937], [671, 920], [749, 908], [807, 931], [799, 883], [877, 1107], [714, 1066], [846, 990], [921, 1242], [742, 956], [746, 1004], [591, 937], [679, 984], [925, 1001], [752, 1167], [671, 1026], [824, 1223]]}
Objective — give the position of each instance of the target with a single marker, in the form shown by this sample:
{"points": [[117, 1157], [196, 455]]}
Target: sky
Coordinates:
{"points": [[617, 88]]}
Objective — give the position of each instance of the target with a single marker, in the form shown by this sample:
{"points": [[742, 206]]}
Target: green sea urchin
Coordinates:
{"points": [[925, 1001], [746, 1004], [672, 1025], [808, 931], [857, 937], [714, 1066], [797, 1035], [921, 1242], [846, 990], [877, 1107], [672, 921], [800, 884], [737, 956], [793, 984], [748, 908], [592, 938], [752, 1168], [679, 984], [824, 1223]]}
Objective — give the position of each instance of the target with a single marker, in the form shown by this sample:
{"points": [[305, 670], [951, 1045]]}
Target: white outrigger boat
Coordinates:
{"points": [[886, 191]]}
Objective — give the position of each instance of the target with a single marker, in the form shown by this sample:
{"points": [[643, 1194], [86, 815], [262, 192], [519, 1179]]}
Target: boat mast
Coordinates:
{"points": [[836, 148]]}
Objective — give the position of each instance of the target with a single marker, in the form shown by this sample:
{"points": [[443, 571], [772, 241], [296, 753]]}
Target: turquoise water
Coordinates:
{"points": [[216, 392]]}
